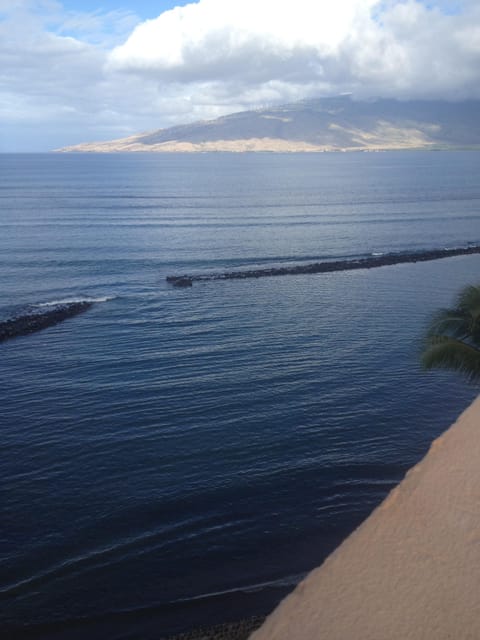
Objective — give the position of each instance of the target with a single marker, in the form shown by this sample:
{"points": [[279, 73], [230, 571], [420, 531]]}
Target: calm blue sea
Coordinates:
{"points": [[176, 457]]}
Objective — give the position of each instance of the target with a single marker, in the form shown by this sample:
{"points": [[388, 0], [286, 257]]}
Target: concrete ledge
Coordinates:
{"points": [[411, 571]]}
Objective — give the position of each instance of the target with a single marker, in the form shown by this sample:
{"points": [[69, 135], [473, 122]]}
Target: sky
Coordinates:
{"points": [[74, 71]]}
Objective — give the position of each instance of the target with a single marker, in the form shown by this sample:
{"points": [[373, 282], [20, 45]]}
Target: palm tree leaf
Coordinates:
{"points": [[469, 299], [469, 302], [449, 353], [451, 322], [453, 338]]}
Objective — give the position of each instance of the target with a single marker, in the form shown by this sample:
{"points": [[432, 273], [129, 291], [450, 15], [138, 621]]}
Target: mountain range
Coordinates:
{"points": [[325, 124]]}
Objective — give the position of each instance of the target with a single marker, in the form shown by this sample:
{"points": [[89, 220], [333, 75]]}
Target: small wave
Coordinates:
{"points": [[64, 301], [288, 581]]}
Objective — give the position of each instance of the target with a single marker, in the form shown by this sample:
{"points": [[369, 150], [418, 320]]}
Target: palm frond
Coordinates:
{"points": [[469, 299], [452, 322], [449, 353], [469, 303]]}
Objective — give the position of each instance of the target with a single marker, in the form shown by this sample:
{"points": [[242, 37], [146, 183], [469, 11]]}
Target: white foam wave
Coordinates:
{"points": [[288, 581], [57, 303]]}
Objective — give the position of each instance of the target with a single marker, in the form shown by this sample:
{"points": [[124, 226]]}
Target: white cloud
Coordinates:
{"points": [[369, 47], [68, 77], [52, 84], [204, 39]]}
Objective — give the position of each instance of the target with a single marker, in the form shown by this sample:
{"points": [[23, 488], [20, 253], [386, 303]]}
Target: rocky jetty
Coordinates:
{"points": [[36, 321], [327, 267], [182, 282]]}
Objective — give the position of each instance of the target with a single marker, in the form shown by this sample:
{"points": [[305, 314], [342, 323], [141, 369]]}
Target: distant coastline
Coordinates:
{"points": [[337, 124], [251, 145]]}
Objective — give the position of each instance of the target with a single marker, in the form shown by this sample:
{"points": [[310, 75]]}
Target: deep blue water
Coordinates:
{"points": [[181, 456]]}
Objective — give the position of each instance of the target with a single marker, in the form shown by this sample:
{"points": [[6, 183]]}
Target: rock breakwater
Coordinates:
{"points": [[370, 262], [36, 321]]}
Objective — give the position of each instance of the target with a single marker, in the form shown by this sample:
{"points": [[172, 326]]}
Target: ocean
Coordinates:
{"points": [[175, 457]]}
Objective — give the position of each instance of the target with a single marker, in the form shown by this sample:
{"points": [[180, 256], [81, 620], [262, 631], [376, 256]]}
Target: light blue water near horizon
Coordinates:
{"points": [[172, 453]]}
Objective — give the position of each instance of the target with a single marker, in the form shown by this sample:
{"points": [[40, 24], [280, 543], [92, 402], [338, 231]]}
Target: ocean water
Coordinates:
{"points": [[176, 457]]}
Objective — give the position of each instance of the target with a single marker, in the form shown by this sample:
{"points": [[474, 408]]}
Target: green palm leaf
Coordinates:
{"points": [[453, 337], [449, 353], [449, 322]]}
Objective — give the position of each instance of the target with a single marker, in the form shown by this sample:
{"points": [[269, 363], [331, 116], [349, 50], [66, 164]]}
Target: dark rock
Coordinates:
{"points": [[240, 630], [32, 322], [180, 281], [327, 267]]}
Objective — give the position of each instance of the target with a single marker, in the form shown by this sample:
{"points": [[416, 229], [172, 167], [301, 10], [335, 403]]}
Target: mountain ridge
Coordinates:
{"points": [[324, 124]]}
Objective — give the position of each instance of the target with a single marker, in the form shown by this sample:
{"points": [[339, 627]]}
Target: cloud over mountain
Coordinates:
{"points": [[267, 48], [70, 76]]}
